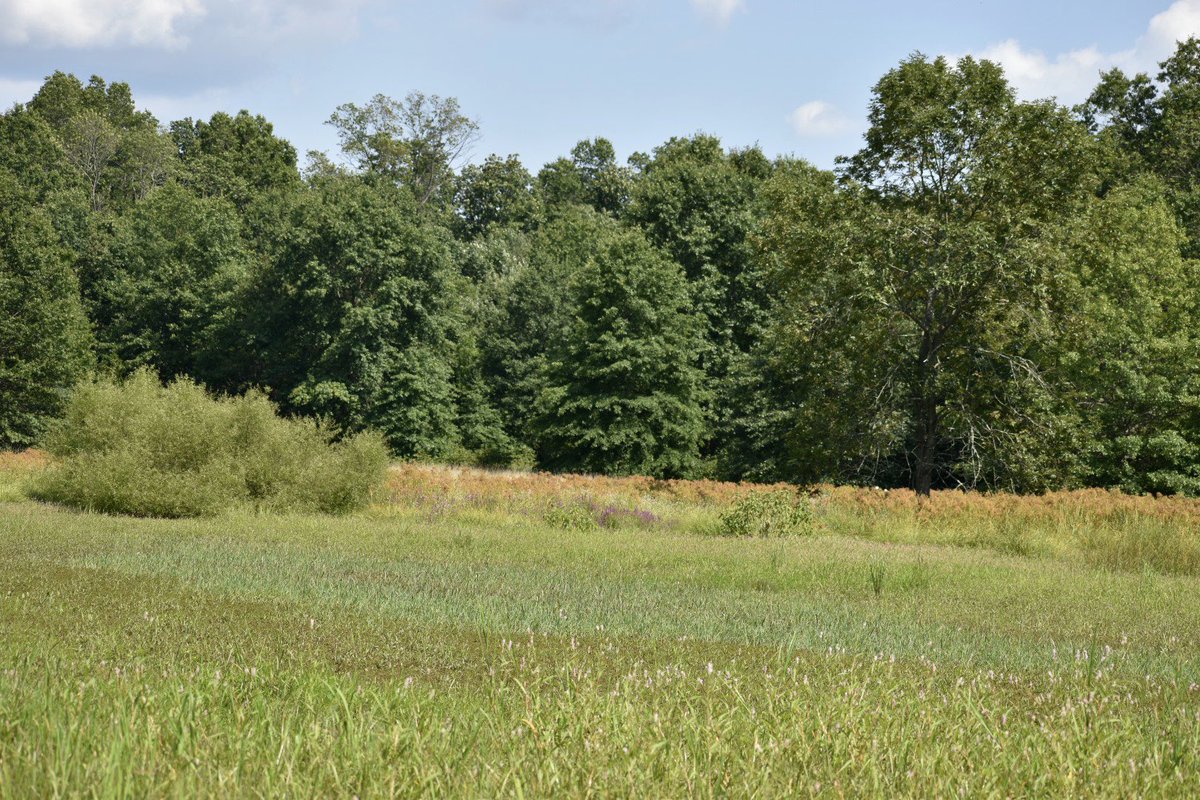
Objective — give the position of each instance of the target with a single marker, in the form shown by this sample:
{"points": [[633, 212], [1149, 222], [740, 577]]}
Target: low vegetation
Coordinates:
{"points": [[457, 639], [136, 447], [1086, 528], [768, 514]]}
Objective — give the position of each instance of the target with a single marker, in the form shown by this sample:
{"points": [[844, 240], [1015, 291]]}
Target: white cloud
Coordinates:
{"points": [[173, 24], [176, 47], [1179, 21], [89, 23], [817, 119], [1068, 76], [719, 11], [1071, 76]]}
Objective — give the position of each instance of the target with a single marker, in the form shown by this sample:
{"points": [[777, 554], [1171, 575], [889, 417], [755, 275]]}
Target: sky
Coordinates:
{"points": [[791, 76]]}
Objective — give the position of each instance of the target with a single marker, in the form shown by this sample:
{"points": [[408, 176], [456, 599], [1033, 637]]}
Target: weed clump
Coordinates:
{"points": [[768, 515], [139, 448], [570, 516]]}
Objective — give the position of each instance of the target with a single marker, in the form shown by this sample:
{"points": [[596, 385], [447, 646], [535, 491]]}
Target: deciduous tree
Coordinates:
{"points": [[44, 336], [624, 394]]}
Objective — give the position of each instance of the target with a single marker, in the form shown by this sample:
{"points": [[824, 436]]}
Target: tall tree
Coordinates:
{"points": [[698, 203], [624, 393], [235, 157], [44, 335], [91, 143], [1157, 123], [164, 279], [117, 150], [922, 286], [353, 318], [416, 142], [528, 306], [590, 177], [1127, 313], [63, 97], [498, 192]]}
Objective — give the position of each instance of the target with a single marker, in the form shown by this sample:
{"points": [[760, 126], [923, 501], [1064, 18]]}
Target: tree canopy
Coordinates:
{"points": [[990, 293]]}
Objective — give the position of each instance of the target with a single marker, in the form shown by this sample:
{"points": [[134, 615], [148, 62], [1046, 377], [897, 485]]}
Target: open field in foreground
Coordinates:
{"points": [[458, 640]]}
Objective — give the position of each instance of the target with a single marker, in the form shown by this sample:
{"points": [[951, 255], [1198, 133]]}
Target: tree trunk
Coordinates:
{"points": [[927, 431], [925, 409]]}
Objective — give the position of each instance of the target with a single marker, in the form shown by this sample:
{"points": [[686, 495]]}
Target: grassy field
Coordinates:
{"points": [[467, 637]]}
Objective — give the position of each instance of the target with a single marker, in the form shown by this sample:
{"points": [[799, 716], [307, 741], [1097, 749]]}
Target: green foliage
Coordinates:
{"points": [[238, 158], [44, 336], [141, 449], [590, 177], [990, 293], [918, 293], [768, 514], [115, 150], [354, 318], [63, 97], [570, 515], [32, 152], [498, 192], [1129, 347], [416, 142], [699, 204], [623, 394], [1154, 123], [696, 202], [164, 281], [527, 306], [483, 437]]}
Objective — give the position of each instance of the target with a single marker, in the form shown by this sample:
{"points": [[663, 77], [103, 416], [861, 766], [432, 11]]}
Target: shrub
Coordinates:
{"points": [[140, 448], [768, 514], [570, 516]]}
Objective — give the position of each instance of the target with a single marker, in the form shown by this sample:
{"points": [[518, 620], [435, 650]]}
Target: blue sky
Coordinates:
{"points": [[792, 76]]}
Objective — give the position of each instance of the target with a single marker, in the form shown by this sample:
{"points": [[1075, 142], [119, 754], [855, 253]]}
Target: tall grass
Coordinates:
{"points": [[1096, 528], [139, 448], [1091, 527], [547, 723], [264, 656], [18, 471]]}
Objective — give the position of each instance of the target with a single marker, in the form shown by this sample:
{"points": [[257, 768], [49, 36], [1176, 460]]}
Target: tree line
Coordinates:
{"points": [[990, 293]]}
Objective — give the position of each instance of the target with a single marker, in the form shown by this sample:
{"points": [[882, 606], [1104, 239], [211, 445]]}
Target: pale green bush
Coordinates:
{"points": [[137, 447], [570, 515], [768, 514]]}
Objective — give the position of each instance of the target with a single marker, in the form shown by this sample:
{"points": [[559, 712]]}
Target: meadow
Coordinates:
{"points": [[492, 634]]}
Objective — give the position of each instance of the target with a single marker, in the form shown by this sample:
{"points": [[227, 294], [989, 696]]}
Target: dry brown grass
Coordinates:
{"points": [[23, 461], [1100, 504], [499, 489], [1092, 526], [17, 470]]}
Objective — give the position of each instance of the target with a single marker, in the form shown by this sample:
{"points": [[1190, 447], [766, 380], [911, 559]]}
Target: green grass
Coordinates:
{"points": [[394, 654], [1122, 540]]}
